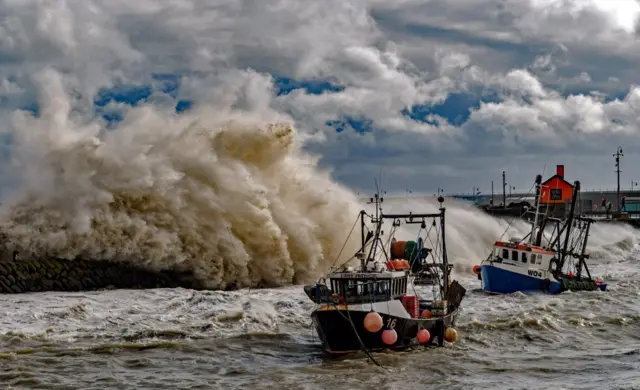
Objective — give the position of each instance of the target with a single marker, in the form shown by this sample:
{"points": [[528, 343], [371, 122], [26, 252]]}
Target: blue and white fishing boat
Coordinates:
{"points": [[528, 265]]}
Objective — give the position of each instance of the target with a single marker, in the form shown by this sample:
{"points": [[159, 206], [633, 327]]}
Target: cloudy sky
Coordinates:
{"points": [[426, 93]]}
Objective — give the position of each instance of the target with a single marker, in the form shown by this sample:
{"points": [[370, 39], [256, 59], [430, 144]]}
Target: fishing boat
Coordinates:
{"points": [[530, 265], [374, 306]]}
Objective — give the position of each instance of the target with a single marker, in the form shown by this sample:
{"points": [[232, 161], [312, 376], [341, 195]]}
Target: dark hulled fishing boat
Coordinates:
{"points": [[372, 308]]}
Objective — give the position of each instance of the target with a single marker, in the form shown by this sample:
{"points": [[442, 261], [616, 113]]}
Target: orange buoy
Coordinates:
{"points": [[423, 336], [400, 265], [450, 335], [389, 336], [397, 265], [372, 322], [426, 314], [476, 269]]}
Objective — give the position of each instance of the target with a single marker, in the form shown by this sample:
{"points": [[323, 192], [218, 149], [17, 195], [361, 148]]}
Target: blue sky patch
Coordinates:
{"points": [[284, 85], [456, 108], [360, 125]]}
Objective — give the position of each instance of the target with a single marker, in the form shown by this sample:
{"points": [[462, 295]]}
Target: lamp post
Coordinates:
{"points": [[617, 155], [504, 189]]}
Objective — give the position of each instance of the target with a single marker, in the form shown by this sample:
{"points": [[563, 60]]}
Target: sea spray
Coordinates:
{"points": [[224, 194]]}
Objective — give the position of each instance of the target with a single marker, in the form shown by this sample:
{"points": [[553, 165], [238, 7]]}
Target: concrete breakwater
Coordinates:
{"points": [[21, 276]]}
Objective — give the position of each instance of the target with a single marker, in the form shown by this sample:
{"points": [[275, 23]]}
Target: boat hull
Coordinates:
{"points": [[342, 331], [497, 280]]}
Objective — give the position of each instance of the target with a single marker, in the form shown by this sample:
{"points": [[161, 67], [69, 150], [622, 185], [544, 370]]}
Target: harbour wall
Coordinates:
{"points": [[18, 276], [588, 198]]}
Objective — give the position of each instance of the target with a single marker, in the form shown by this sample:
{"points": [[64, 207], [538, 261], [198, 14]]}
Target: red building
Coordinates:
{"points": [[556, 190]]}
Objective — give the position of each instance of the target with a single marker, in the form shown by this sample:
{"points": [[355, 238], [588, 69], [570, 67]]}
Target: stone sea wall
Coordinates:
{"points": [[20, 276]]}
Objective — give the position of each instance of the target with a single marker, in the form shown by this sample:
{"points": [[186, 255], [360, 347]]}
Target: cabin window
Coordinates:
{"points": [[555, 194], [514, 255], [539, 261], [363, 288], [351, 288], [524, 257], [533, 258], [505, 254], [382, 288], [336, 286]]}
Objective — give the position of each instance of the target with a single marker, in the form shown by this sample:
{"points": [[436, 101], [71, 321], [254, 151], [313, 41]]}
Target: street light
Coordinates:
{"points": [[617, 155]]}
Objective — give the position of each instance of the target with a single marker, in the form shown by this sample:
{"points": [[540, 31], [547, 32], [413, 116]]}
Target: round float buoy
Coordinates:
{"points": [[476, 269], [423, 336], [426, 314], [450, 335], [372, 322], [389, 336]]}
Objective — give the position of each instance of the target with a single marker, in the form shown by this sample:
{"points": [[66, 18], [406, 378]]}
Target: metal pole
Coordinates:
{"points": [[445, 258], [617, 156], [504, 190], [491, 192], [362, 226]]}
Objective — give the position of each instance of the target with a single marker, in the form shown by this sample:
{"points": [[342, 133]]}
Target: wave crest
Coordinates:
{"points": [[229, 200]]}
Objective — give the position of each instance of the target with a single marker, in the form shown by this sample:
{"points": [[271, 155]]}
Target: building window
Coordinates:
{"points": [[556, 194]]}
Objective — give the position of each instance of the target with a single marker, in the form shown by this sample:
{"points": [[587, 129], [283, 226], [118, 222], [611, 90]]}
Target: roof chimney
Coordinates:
{"points": [[560, 170]]}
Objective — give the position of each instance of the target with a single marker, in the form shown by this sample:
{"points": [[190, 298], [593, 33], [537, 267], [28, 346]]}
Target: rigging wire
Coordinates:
{"points": [[344, 245], [512, 220]]}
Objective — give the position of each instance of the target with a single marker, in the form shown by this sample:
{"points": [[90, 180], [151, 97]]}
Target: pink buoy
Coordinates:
{"points": [[426, 314], [423, 336], [372, 322], [389, 336]]}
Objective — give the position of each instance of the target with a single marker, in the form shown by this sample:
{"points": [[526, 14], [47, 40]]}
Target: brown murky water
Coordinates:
{"points": [[181, 339]]}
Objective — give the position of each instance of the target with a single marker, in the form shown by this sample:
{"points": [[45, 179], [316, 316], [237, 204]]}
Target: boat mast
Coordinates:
{"points": [[537, 203], [361, 252], [583, 254], [445, 260], [563, 255], [378, 222]]}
